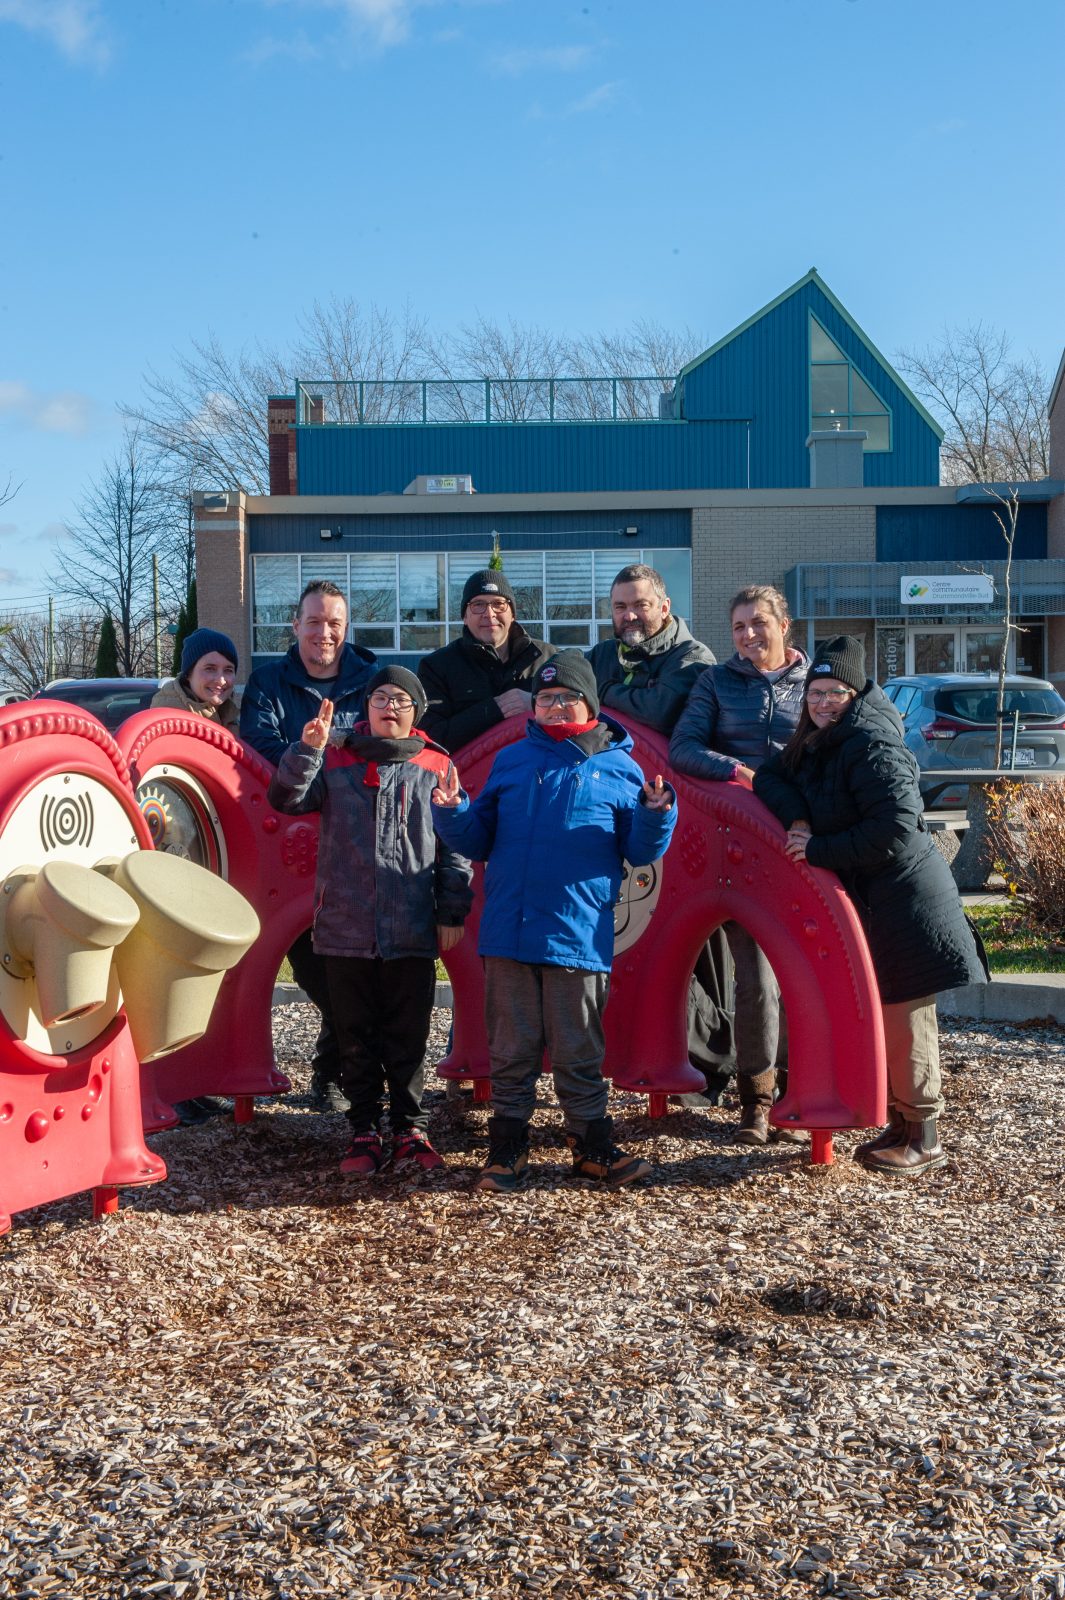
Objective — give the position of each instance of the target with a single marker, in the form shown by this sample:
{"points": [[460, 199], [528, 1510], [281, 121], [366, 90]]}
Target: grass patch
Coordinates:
{"points": [[1013, 943]]}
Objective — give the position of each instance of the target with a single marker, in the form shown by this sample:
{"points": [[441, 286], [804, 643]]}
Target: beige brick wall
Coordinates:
{"points": [[733, 546], [223, 575]]}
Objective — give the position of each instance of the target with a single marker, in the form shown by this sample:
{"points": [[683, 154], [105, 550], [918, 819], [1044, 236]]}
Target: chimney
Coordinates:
{"points": [[281, 437], [836, 460]]}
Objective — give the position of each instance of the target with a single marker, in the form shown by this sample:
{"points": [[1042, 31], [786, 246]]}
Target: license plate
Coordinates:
{"points": [[1022, 758]]}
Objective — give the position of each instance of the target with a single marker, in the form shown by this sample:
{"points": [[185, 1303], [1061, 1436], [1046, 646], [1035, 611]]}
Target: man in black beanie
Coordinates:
{"points": [[484, 676]]}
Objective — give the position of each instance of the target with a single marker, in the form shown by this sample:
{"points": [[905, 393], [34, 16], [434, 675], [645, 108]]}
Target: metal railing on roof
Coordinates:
{"points": [[359, 402]]}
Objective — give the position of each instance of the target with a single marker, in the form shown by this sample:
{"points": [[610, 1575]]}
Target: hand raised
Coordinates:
{"points": [[657, 796], [316, 732], [449, 792]]}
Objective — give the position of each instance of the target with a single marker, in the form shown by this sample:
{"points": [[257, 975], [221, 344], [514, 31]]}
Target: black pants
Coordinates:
{"points": [[309, 972], [711, 1038], [382, 1010]]}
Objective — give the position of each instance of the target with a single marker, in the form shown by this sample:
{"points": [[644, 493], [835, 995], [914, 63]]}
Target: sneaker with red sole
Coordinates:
{"points": [[364, 1156], [413, 1148]]}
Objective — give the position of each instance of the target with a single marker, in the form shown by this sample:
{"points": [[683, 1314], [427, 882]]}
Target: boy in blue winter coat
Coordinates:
{"points": [[388, 895], [560, 814]]}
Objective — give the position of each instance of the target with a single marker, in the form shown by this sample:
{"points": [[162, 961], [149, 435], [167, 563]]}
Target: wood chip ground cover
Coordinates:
{"points": [[750, 1377]]}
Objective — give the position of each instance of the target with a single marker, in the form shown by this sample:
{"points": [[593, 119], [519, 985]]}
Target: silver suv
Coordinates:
{"points": [[949, 721]]}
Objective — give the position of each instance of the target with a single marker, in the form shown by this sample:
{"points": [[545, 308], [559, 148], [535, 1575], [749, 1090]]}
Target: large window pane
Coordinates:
{"points": [[608, 563], [822, 347], [879, 431], [569, 635], [273, 641], [676, 569], [329, 569], [276, 584], [376, 638], [422, 636], [421, 588], [569, 584], [525, 573], [373, 588], [459, 568], [863, 398], [828, 390]]}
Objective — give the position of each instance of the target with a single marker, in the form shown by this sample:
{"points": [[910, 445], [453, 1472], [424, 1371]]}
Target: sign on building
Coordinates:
{"points": [[953, 589]]}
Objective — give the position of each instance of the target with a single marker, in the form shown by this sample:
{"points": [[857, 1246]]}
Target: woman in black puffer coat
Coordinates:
{"points": [[845, 787]]}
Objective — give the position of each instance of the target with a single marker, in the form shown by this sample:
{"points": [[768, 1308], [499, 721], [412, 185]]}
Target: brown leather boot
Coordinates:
{"points": [[756, 1097], [894, 1133], [919, 1151]]}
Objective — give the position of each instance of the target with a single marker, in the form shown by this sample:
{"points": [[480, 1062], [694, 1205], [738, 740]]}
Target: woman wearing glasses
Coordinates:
{"points": [[845, 788], [740, 712], [388, 895]]}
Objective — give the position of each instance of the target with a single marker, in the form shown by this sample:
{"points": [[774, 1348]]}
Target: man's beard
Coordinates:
{"points": [[632, 635]]}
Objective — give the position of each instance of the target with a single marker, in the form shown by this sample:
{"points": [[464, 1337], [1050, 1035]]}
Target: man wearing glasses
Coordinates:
{"points": [[484, 676]]}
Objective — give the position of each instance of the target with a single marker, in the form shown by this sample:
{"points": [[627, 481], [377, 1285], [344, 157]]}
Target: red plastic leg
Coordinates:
{"points": [[656, 1105], [243, 1107], [821, 1154], [482, 1090], [104, 1202]]}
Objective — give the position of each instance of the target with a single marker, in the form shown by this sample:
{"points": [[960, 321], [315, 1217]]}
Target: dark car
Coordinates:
{"points": [[949, 720], [111, 700]]}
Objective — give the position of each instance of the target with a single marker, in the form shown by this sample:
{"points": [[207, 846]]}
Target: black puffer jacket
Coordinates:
{"points": [[463, 679], [858, 791], [736, 716]]}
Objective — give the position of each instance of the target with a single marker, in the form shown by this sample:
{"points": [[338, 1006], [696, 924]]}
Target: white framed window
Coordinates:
{"points": [[840, 397], [410, 602]]}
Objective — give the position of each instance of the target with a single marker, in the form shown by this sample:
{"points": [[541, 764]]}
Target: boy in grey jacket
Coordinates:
{"points": [[387, 897]]}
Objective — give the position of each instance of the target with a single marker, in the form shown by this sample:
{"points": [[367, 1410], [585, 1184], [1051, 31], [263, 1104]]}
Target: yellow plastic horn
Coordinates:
{"points": [[62, 924], [193, 928]]}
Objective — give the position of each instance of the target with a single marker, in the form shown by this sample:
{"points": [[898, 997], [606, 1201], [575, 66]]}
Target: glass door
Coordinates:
{"points": [[980, 649], [932, 650]]}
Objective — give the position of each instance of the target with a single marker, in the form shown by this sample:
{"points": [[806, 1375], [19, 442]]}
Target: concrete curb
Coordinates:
{"points": [[1011, 997]]}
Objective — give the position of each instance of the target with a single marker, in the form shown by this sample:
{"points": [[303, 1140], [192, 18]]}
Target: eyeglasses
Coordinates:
{"points": [[481, 608], [399, 702], [832, 695], [566, 701]]}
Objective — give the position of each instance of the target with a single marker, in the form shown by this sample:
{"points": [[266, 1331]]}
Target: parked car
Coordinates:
{"points": [[949, 720], [111, 700]]}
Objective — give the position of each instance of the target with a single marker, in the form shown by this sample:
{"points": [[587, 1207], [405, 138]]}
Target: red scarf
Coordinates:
{"points": [[568, 730]]}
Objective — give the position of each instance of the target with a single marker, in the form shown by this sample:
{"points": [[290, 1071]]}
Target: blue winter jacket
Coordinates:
{"points": [[555, 822], [282, 697]]}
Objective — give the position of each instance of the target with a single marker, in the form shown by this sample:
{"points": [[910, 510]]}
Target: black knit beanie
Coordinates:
{"points": [[842, 657], [568, 670], [400, 678], [491, 585]]}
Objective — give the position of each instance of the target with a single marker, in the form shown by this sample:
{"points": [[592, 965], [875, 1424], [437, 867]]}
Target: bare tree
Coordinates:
{"points": [[994, 408], [9, 490], [1006, 510], [25, 662], [645, 360], [365, 364], [107, 563]]}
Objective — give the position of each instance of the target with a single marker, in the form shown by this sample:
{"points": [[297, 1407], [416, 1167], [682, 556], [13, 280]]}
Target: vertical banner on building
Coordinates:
{"points": [[890, 652]]}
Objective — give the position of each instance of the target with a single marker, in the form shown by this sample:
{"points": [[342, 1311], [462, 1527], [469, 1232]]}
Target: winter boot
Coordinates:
{"points": [[326, 1094], [508, 1155], [756, 1096], [895, 1133], [596, 1156], [919, 1150]]}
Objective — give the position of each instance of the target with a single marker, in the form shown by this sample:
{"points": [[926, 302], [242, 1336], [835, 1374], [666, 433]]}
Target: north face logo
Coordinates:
{"points": [[489, 588]]}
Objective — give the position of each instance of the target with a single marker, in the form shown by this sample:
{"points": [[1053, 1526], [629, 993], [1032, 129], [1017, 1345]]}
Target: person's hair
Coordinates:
{"points": [[320, 586], [806, 732], [762, 594], [641, 574]]}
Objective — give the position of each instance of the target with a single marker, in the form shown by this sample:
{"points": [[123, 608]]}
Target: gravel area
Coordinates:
{"points": [[748, 1377]]}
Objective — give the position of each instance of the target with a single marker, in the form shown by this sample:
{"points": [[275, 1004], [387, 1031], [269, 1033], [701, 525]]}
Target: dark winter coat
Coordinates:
{"points": [[858, 791], [650, 681], [463, 679], [282, 697], [555, 822], [737, 716], [385, 882]]}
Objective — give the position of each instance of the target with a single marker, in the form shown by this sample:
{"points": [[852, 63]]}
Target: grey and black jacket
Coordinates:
{"points": [[737, 716], [650, 681], [384, 880]]}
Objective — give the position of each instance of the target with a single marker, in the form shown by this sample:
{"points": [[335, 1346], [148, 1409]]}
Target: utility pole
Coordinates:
{"points": [[155, 616], [49, 672]]}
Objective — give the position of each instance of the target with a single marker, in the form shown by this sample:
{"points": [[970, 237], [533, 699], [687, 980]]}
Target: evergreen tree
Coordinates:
{"points": [[186, 624], [495, 560], [107, 649]]}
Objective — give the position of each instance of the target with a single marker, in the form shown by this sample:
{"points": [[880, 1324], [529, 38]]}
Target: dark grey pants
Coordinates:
{"points": [[761, 1038], [558, 1009]]}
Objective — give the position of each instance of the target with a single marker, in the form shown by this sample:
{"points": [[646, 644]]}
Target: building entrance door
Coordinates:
{"points": [[954, 649]]}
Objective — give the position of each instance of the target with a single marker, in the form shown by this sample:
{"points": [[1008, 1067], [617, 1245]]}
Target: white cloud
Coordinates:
{"points": [[298, 48], [380, 23], [73, 26], [9, 576], [64, 411], [7, 528], [561, 58], [594, 100]]}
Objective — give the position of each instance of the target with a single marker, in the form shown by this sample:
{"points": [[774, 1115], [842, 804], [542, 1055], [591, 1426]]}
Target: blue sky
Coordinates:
{"points": [[171, 168]]}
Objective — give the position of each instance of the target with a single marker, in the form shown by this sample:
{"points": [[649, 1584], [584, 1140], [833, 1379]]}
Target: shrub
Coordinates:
{"points": [[1028, 828]]}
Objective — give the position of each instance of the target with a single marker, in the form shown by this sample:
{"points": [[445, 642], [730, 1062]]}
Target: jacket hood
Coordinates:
{"points": [[351, 669]]}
